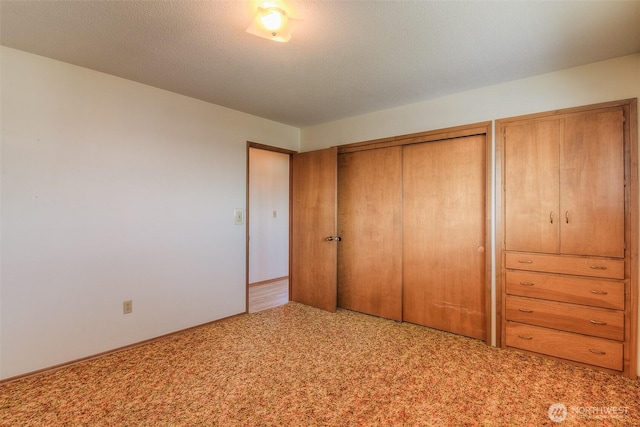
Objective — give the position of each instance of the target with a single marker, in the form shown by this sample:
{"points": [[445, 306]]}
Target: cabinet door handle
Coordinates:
{"points": [[594, 351], [597, 292], [551, 217], [597, 322], [527, 283], [525, 261], [597, 267], [525, 337], [525, 310], [566, 215]]}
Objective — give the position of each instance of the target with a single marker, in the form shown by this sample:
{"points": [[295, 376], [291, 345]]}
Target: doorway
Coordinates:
{"points": [[267, 227]]}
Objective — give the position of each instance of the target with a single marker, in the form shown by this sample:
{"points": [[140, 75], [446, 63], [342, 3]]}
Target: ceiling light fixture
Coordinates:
{"points": [[272, 23]]}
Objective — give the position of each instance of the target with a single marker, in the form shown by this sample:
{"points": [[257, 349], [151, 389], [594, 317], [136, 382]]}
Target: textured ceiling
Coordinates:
{"points": [[344, 59]]}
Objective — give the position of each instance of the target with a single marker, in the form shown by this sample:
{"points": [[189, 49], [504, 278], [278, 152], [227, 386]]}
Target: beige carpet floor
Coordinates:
{"points": [[298, 366]]}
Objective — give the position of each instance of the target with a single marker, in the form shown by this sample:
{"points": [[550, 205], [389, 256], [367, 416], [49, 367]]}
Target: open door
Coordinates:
{"points": [[313, 229]]}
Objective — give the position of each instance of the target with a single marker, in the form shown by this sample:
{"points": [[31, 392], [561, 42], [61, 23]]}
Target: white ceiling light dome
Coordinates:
{"points": [[272, 22]]}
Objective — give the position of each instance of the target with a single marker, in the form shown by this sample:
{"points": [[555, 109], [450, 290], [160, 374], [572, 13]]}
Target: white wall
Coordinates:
{"points": [[113, 190], [599, 82], [269, 235], [611, 80]]}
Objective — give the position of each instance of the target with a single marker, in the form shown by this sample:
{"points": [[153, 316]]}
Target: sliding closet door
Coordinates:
{"points": [[313, 229], [370, 224], [444, 212]]}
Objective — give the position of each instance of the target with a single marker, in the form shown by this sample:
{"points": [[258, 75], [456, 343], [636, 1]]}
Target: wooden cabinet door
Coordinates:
{"points": [[370, 225], [531, 186], [444, 221], [592, 184], [313, 220]]}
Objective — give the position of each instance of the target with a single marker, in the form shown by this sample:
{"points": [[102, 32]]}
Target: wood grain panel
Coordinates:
{"points": [[591, 350], [419, 137], [576, 290], [370, 225], [597, 322], [531, 192], [313, 219], [566, 264], [595, 267], [592, 184], [443, 235]]}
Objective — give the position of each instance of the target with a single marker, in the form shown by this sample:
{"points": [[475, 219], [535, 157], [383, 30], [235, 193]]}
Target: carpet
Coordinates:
{"points": [[295, 365]]}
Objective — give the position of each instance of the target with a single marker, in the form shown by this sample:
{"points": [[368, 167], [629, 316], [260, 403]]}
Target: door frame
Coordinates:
{"points": [[290, 153]]}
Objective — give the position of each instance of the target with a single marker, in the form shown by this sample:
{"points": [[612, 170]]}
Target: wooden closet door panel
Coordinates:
{"points": [[444, 216], [370, 225], [592, 184], [313, 219], [531, 192]]}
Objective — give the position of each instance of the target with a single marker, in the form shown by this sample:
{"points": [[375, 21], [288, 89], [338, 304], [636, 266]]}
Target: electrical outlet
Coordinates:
{"points": [[127, 307]]}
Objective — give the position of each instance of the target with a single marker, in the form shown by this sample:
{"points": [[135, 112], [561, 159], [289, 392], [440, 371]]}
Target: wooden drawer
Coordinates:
{"points": [[565, 345], [563, 264], [576, 290], [597, 322]]}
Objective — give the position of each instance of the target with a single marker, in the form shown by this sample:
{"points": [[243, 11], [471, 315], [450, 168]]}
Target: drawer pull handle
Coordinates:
{"points": [[526, 283], [525, 310], [597, 322], [525, 337], [594, 351], [525, 261], [598, 292], [597, 267]]}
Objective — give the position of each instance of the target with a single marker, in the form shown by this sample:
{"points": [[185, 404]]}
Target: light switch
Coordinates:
{"points": [[238, 216], [275, 214]]}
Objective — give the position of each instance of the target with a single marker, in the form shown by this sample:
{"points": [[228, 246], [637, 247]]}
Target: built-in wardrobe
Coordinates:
{"points": [[568, 234], [397, 228]]}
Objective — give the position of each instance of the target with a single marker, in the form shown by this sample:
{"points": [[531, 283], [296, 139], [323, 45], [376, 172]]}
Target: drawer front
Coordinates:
{"points": [[577, 265], [597, 322], [565, 345], [576, 290]]}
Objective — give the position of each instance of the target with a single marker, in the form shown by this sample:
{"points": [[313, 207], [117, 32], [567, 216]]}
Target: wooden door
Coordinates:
{"points": [[592, 184], [531, 190], [444, 214], [370, 225], [313, 221]]}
